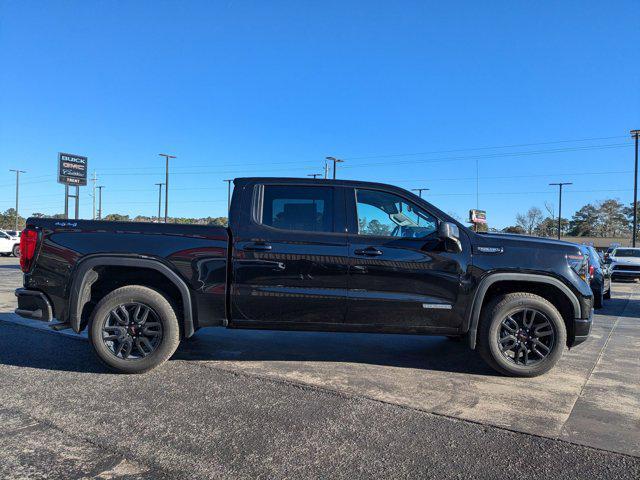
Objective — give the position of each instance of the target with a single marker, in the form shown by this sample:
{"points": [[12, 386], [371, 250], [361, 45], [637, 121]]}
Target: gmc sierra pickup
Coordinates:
{"points": [[301, 254]]}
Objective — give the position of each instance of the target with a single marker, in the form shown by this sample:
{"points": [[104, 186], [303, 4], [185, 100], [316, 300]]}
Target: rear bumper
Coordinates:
{"points": [[33, 304]]}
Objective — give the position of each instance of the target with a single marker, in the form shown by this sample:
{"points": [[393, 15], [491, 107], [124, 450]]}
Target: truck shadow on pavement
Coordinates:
{"points": [[22, 346], [26, 347], [404, 351]]}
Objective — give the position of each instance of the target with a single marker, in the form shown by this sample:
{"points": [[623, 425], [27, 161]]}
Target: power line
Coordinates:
{"points": [[518, 145]]}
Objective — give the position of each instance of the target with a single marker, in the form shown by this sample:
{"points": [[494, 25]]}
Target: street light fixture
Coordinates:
{"points": [[18, 172], [314, 175], [166, 184], [159, 199], [635, 134], [335, 164], [420, 190], [100, 187], [560, 184]]}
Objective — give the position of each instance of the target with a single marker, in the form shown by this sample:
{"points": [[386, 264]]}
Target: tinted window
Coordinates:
{"points": [[298, 208], [388, 215]]}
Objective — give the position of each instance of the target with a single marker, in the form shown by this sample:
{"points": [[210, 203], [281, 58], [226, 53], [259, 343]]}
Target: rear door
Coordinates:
{"points": [[401, 277], [290, 259]]}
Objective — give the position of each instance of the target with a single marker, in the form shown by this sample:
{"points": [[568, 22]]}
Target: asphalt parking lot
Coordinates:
{"points": [[243, 404]]}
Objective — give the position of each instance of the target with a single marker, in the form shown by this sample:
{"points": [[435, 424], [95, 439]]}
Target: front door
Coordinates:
{"points": [[400, 276], [290, 260]]}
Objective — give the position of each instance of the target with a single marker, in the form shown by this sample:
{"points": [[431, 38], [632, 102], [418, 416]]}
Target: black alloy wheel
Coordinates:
{"points": [[132, 330], [526, 337]]}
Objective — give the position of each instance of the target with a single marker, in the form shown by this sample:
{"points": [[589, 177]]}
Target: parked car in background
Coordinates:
{"points": [[9, 245], [624, 263], [599, 277]]}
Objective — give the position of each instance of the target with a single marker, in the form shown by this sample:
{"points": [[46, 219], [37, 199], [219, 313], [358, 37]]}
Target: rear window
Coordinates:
{"points": [[626, 252], [298, 208]]}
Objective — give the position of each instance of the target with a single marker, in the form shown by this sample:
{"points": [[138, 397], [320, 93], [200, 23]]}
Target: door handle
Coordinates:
{"points": [[368, 252], [257, 247]]}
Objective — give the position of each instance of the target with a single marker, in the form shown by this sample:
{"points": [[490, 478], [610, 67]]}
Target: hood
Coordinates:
{"points": [[625, 260], [515, 240]]}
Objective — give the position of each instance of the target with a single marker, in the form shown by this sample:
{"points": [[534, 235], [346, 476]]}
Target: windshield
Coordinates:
{"points": [[627, 252]]}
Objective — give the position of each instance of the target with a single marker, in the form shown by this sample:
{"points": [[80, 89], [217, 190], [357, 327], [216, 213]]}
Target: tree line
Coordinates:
{"points": [[609, 218], [8, 219]]}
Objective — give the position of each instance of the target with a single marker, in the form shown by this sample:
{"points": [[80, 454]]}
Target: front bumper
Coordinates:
{"points": [[628, 274], [581, 329], [34, 305]]}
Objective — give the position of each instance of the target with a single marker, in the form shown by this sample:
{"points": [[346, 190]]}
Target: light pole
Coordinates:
{"points": [[635, 134], [18, 172], [420, 190], [100, 187], [94, 180], [229, 180], [166, 184], [314, 175], [560, 184], [159, 198], [335, 161]]}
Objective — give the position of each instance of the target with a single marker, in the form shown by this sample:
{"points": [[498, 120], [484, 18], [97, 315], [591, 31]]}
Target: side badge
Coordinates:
{"points": [[437, 306], [490, 249]]}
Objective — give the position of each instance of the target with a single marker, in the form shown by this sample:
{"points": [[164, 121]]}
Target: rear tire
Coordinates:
{"points": [[607, 295], [598, 299], [144, 340], [502, 324], [16, 250]]}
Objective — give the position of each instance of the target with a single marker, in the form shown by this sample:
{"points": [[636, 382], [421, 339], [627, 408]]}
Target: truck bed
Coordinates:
{"points": [[197, 253]]}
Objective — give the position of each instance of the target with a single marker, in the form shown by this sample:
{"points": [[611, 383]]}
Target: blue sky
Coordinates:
{"points": [[410, 93]]}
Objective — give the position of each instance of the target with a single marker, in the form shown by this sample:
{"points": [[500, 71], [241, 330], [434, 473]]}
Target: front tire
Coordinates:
{"points": [[134, 329], [521, 334]]}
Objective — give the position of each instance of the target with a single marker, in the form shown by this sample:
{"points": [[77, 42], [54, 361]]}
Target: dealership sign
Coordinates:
{"points": [[72, 169], [477, 216]]}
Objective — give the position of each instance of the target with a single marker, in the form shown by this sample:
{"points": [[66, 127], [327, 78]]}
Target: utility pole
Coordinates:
{"points": [[315, 175], [159, 199], [635, 134], [166, 184], [335, 161], [100, 187], [229, 180], [477, 184], [18, 172], [420, 190], [560, 184], [94, 180]]}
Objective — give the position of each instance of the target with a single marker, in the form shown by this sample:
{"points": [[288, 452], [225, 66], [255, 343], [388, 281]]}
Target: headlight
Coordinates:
{"points": [[579, 264]]}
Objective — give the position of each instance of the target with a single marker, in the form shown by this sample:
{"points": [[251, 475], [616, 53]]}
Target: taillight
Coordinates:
{"points": [[592, 271], [28, 242], [579, 264]]}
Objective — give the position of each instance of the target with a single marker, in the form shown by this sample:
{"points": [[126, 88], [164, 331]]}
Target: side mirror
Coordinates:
{"points": [[449, 233]]}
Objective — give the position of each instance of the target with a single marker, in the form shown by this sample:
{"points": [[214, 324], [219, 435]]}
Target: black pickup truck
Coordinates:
{"points": [[299, 254]]}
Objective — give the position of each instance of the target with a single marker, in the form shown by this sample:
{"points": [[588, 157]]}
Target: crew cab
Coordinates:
{"points": [[324, 255]]}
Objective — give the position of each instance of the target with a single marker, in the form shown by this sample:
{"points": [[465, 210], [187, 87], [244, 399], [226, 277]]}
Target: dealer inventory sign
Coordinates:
{"points": [[72, 169]]}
